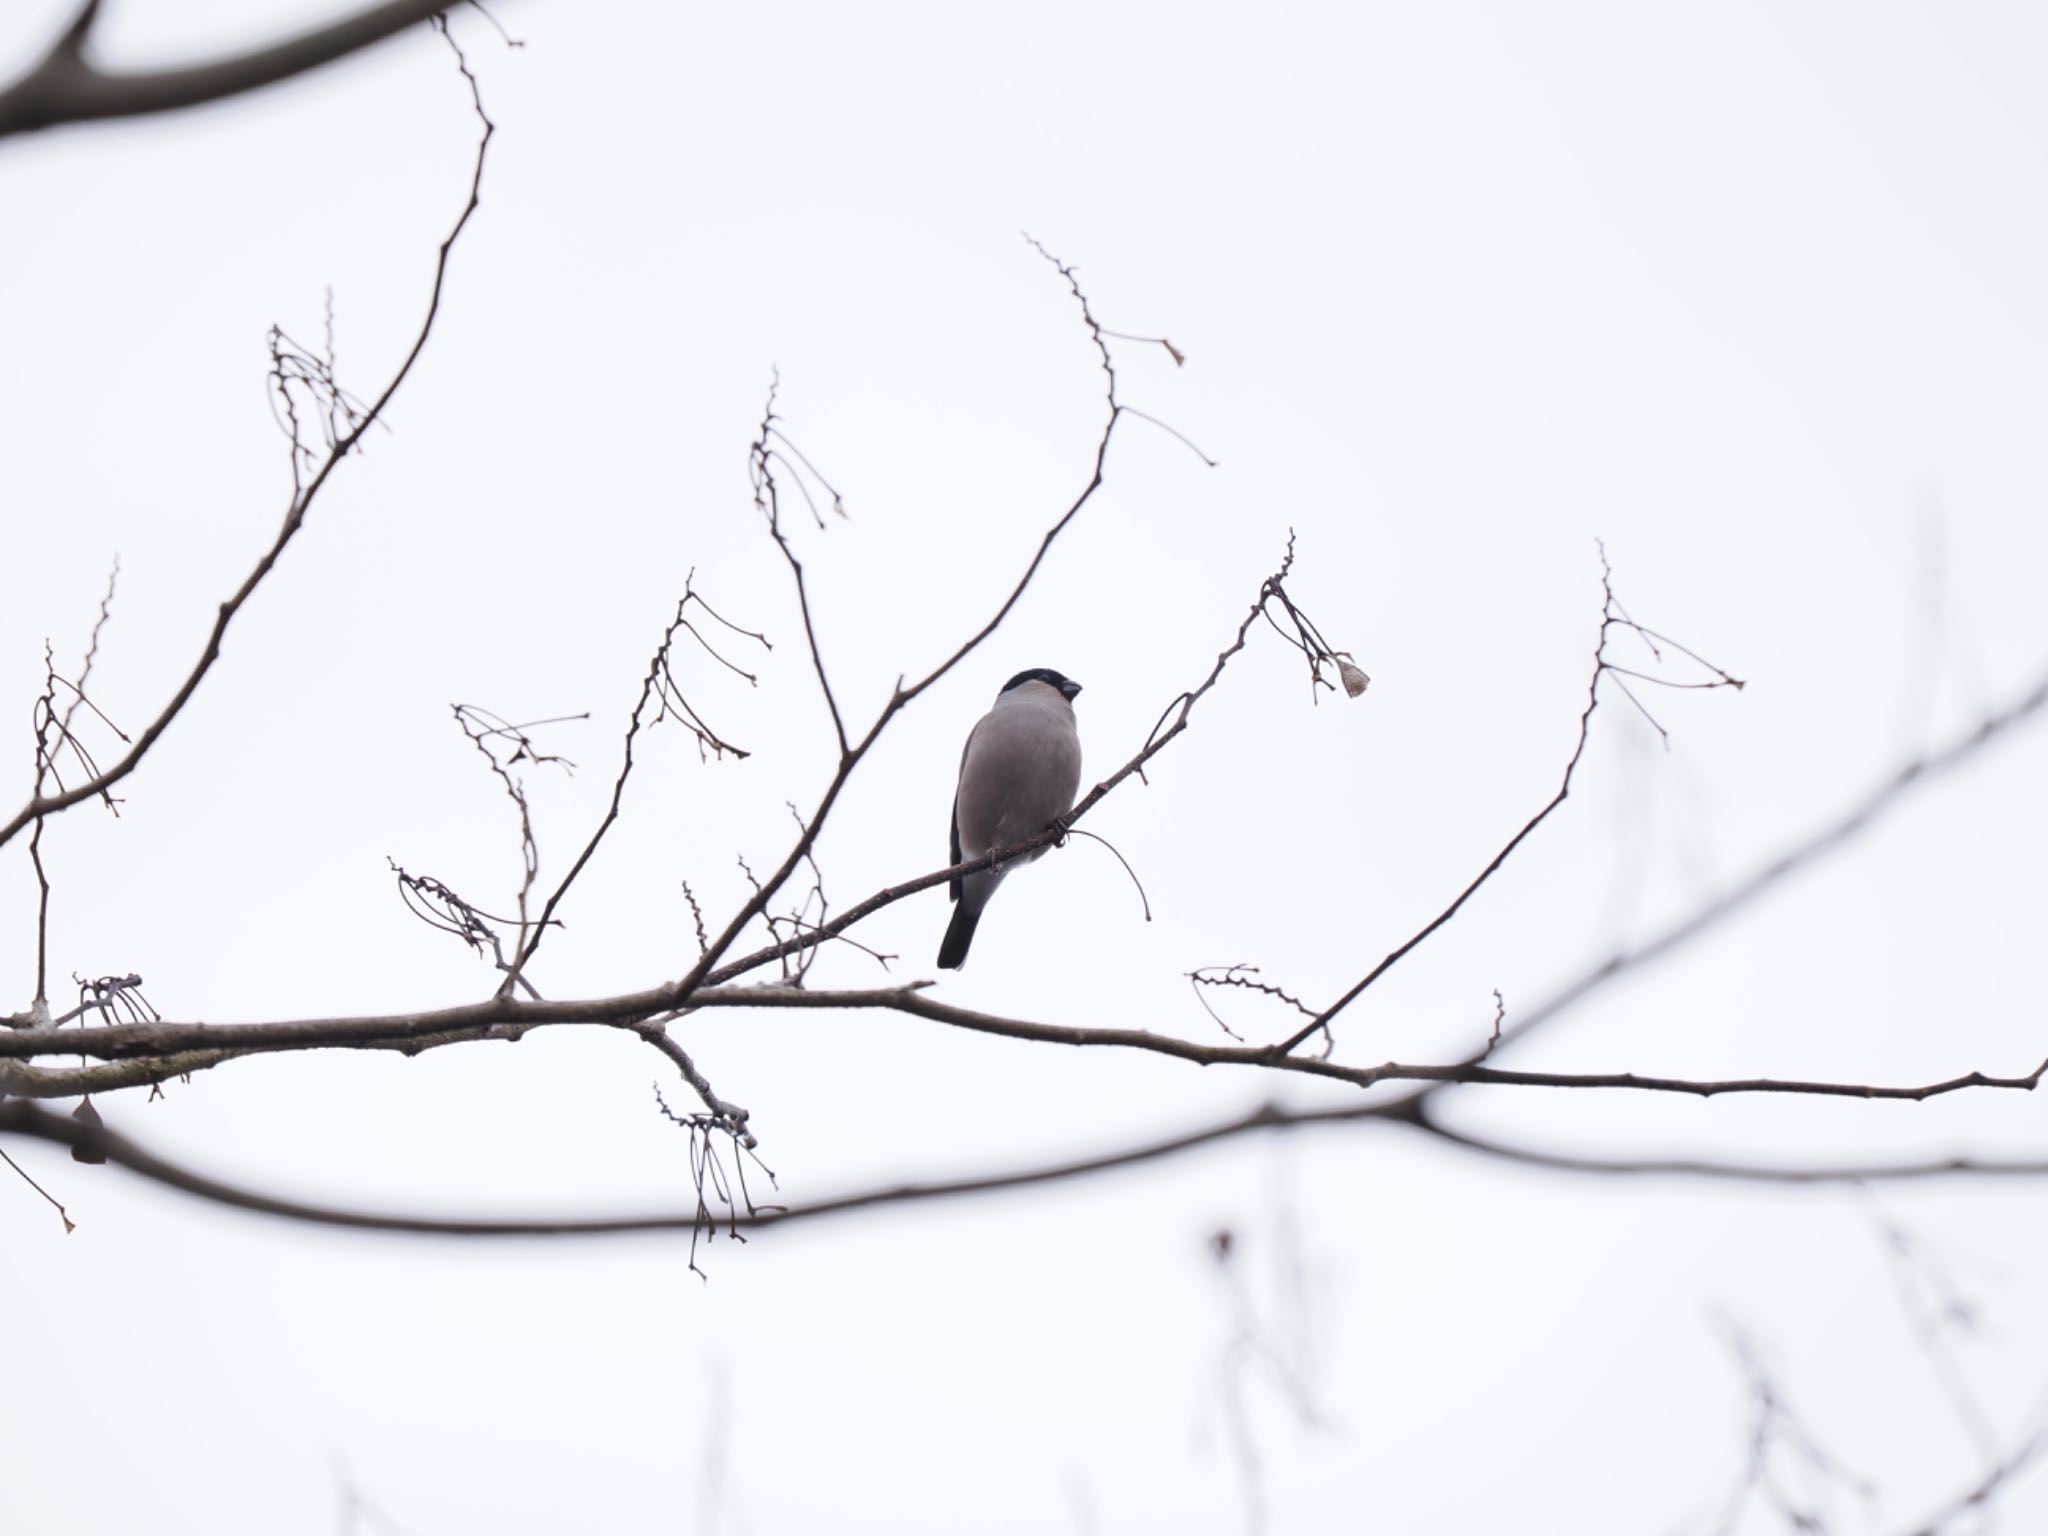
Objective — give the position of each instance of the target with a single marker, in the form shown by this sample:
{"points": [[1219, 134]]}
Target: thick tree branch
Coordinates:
{"points": [[1420, 1112], [148, 1052], [914, 1001], [643, 1012], [19, 1117], [66, 87], [21, 1080]]}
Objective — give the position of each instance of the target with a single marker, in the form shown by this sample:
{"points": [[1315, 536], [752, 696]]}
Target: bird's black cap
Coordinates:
{"points": [[1066, 685]]}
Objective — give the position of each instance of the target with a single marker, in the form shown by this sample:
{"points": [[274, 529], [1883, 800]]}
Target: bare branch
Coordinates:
{"points": [[1096, 334], [915, 1001], [1937, 1310], [1245, 977], [53, 734], [488, 732], [1859, 818], [55, 1204], [65, 87], [1173, 432], [1418, 1111], [761, 457], [303, 496], [728, 1117], [438, 906], [92, 652], [509, 1017], [1612, 616], [20, 1117], [34, 1082], [852, 753], [1779, 1440], [1179, 358], [149, 1050], [696, 917], [1986, 1488], [1173, 720], [709, 1176]]}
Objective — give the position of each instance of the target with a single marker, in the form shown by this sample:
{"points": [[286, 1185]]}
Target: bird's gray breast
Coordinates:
{"points": [[1021, 769]]}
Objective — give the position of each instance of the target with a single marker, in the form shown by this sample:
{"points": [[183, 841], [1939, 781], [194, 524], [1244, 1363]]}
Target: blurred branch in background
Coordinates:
{"points": [[65, 86], [1791, 1481]]}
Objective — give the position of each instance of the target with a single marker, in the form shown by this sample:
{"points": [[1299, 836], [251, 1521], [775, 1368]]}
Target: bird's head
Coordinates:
{"points": [[1066, 686]]}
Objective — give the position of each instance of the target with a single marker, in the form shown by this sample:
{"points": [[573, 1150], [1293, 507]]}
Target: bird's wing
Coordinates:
{"points": [[953, 825], [953, 885]]}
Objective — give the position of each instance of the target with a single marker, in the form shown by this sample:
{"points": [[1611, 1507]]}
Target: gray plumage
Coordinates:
{"points": [[1018, 774]]}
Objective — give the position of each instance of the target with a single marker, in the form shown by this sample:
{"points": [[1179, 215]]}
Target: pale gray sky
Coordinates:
{"points": [[1751, 292]]}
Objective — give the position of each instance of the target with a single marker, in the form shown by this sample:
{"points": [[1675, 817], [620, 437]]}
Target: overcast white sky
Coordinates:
{"points": [[1751, 292]]}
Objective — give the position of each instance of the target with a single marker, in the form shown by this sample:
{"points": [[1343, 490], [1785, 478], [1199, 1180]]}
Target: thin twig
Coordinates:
{"points": [[1610, 618], [851, 755], [312, 48], [1859, 818], [1172, 721]]}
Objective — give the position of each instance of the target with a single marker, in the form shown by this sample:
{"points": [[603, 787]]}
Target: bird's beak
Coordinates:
{"points": [[1069, 689]]}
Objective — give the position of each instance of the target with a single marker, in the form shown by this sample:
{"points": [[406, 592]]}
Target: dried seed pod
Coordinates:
{"points": [[85, 1114]]}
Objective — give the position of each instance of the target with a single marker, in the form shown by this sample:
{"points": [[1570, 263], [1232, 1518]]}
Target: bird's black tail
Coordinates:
{"points": [[959, 934]]}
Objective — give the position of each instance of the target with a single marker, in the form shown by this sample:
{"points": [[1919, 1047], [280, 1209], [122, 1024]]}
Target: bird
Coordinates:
{"points": [[1018, 775]]}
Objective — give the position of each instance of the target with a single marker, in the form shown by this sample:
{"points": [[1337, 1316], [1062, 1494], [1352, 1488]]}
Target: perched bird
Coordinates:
{"points": [[1018, 774]]}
